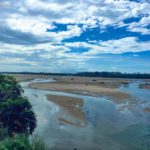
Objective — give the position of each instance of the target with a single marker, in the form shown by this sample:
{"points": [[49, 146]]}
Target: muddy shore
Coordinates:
{"points": [[145, 85]]}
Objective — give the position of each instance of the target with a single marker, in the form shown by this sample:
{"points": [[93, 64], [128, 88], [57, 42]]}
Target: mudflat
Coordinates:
{"points": [[98, 81], [94, 86], [73, 106], [92, 90], [145, 85]]}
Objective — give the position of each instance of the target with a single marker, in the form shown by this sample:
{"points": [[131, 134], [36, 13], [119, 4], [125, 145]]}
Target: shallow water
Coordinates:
{"points": [[107, 127]]}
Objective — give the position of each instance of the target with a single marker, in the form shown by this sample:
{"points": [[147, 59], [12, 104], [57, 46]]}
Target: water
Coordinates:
{"points": [[107, 127]]}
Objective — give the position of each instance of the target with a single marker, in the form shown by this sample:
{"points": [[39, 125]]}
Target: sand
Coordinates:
{"points": [[64, 121], [101, 82], [72, 104], [73, 107], [84, 89], [147, 109], [145, 85], [81, 85]]}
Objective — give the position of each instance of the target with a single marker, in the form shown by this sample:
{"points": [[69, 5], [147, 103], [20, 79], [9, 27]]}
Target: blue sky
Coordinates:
{"points": [[74, 36]]}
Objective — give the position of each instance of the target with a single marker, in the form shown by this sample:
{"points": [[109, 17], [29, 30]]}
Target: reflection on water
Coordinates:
{"points": [[107, 128]]}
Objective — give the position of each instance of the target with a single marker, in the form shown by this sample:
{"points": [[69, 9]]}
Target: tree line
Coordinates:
{"points": [[104, 74]]}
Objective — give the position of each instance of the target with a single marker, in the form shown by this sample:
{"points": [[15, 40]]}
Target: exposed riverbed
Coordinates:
{"points": [[107, 126]]}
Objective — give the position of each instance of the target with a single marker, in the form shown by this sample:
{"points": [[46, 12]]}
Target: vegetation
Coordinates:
{"points": [[38, 144], [17, 142], [17, 120], [17, 116], [115, 75], [95, 74], [21, 142]]}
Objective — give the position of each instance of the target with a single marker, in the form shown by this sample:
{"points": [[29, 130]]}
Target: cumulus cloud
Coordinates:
{"points": [[24, 25], [128, 44]]}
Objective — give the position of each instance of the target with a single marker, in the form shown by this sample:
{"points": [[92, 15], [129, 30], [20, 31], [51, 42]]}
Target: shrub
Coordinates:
{"points": [[18, 142]]}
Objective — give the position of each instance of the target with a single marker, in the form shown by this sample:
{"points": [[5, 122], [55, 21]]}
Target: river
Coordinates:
{"points": [[108, 127]]}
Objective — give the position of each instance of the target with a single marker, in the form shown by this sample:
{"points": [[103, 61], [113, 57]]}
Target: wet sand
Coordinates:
{"points": [[100, 82], [147, 109], [72, 104], [91, 90], [91, 86], [80, 85], [64, 121], [145, 86]]}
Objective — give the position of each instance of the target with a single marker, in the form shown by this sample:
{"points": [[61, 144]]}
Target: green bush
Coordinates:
{"points": [[18, 142]]}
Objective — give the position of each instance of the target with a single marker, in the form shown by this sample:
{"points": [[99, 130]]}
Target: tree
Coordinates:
{"points": [[16, 113], [9, 88], [17, 116]]}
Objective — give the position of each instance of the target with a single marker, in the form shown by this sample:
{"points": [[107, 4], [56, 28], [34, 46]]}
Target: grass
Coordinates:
{"points": [[38, 144]]}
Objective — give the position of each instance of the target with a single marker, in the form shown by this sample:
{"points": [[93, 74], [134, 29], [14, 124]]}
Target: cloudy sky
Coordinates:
{"points": [[75, 35]]}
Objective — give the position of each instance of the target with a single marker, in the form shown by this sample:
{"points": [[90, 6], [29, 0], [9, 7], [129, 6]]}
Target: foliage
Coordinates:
{"points": [[9, 88], [3, 133], [17, 120], [17, 116], [16, 113], [38, 144], [18, 142], [21, 142]]}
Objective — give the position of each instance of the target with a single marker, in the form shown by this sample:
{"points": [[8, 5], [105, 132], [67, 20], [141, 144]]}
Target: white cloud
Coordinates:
{"points": [[128, 44], [140, 26], [31, 18]]}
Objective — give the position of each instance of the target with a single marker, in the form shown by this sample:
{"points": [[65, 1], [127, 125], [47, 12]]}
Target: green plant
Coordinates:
{"points": [[3, 133], [17, 116], [18, 142], [9, 88], [38, 144], [16, 113]]}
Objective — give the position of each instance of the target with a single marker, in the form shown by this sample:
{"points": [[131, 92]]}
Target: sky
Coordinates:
{"points": [[75, 35]]}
